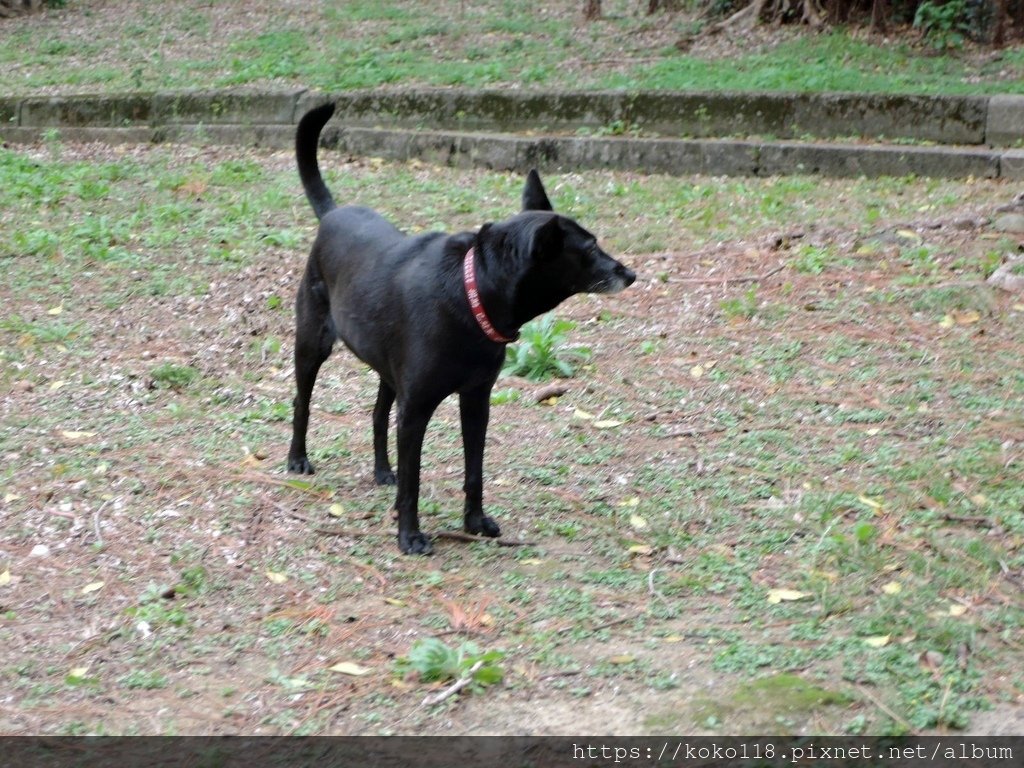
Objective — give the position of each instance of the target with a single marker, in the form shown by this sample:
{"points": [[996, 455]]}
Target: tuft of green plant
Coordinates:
{"points": [[541, 351], [943, 22], [173, 376], [811, 260], [435, 662], [742, 308]]}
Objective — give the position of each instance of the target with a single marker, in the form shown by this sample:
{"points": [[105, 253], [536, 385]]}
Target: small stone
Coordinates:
{"points": [[1010, 276], [40, 550], [1010, 222]]}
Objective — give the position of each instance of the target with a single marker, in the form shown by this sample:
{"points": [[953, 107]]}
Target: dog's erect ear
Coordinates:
{"points": [[534, 196], [547, 241]]}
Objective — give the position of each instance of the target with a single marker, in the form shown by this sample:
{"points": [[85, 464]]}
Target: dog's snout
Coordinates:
{"points": [[627, 275]]}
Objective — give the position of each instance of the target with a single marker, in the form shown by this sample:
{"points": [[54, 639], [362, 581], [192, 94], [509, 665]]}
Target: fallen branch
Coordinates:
{"points": [[551, 390], [451, 690], [463, 536]]}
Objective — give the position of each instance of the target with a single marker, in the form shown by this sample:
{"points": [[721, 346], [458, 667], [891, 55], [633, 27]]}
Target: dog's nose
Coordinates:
{"points": [[628, 275]]}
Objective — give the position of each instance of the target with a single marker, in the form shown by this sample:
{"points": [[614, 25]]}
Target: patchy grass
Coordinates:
{"points": [[140, 45], [846, 429]]}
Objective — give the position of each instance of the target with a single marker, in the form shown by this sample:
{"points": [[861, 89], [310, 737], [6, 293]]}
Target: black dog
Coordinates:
{"points": [[431, 315]]}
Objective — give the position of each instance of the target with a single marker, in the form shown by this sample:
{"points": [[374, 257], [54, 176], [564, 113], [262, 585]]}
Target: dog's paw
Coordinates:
{"points": [[300, 466], [483, 526], [417, 543], [384, 477]]}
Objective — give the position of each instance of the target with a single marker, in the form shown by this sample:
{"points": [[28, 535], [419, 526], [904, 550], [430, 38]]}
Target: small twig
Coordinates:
{"points": [[692, 431], [463, 536], [96, 523], [881, 705], [451, 690], [730, 280], [650, 585], [969, 519], [314, 526], [563, 673]]}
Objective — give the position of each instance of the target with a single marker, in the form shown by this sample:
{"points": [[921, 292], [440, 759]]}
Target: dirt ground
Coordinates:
{"points": [[161, 573]]}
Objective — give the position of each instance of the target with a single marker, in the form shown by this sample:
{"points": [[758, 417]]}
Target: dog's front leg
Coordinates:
{"points": [[474, 411], [412, 424], [381, 413]]}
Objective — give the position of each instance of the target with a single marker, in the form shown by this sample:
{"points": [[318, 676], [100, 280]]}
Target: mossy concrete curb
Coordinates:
{"points": [[656, 132]]}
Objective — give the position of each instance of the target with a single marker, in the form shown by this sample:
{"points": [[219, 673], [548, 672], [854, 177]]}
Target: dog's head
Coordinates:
{"points": [[567, 252], [542, 258]]}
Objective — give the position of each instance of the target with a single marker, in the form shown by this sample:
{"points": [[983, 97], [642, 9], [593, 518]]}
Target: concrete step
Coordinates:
{"points": [[653, 132]]}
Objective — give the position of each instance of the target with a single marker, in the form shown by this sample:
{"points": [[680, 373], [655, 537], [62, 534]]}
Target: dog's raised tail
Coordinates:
{"points": [[306, 139]]}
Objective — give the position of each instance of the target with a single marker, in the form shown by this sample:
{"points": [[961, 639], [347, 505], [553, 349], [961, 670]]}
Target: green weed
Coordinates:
{"points": [[541, 351]]}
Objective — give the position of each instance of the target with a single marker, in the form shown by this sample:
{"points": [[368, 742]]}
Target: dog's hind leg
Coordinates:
{"points": [[314, 339], [474, 411], [381, 413]]}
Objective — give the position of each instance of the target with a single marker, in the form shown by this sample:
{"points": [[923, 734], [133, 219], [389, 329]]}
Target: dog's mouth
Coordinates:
{"points": [[619, 280]]}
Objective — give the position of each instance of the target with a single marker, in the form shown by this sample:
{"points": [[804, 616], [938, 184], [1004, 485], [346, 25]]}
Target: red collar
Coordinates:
{"points": [[475, 304]]}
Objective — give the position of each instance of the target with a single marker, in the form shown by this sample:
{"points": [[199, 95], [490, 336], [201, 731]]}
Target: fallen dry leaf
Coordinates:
{"points": [[637, 522], [776, 596], [350, 668], [879, 641], [276, 578]]}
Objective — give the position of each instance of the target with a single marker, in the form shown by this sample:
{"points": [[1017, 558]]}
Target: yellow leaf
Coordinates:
{"points": [[632, 501], [979, 499], [1019, 307], [487, 620], [277, 578], [95, 586], [579, 413], [78, 672], [967, 317], [54, 386], [531, 561], [957, 610], [872, 431], [947, 321], [5, 578], [909, 234], [697, 371], [55, 310], [672, 639], [623, 659], [879, 641], [336, 510], [73, 435], [637, 522], [892, 588], [9, 497], [641, 549], [607, 424], [550, 401], [350, 668], [395, 601], [869, 502], [776, 596]]}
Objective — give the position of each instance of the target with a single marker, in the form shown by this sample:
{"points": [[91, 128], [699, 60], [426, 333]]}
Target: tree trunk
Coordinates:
{"points": [[592, 9], [19, 7]]}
